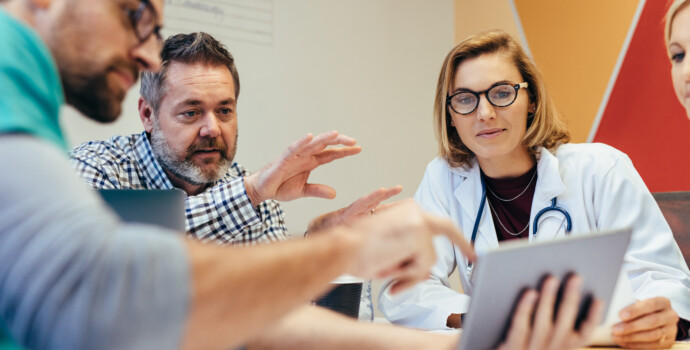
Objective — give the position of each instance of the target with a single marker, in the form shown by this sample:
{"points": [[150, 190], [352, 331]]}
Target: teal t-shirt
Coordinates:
{"points": [[5, 342], [30, 89], [30, 96]]}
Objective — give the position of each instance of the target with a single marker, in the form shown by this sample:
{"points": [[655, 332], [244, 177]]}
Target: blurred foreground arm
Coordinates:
{"points": [[244, 289], [315, 328]]}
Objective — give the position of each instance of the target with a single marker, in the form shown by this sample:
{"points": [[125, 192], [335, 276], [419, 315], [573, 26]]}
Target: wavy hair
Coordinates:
{"points": [[547, 129]]}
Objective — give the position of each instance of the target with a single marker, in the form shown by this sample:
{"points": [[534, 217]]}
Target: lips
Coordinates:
{"points": [[126, 78], [490, 132], [210, 150]]}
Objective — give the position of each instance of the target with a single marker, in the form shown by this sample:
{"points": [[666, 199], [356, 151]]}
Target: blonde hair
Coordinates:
{"points": [[673, 10], [547, 129]]}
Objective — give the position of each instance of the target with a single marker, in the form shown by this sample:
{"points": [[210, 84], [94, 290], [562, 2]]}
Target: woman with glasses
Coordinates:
{"points": [[506, 171]]}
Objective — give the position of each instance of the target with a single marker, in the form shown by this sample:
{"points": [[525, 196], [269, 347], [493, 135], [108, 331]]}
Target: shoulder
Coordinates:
{"points": [[591, 155], [116, 149], [438, 164]]}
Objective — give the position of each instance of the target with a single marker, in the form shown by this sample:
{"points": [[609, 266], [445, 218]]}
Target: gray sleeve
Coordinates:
{"points": [[71, 275]]}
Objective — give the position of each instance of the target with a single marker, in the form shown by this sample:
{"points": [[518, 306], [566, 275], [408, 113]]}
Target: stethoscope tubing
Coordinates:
{"points": [[535, 224]]}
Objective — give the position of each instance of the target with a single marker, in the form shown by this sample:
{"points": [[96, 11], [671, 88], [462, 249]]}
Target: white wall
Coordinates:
{"points": [[367, 68]]}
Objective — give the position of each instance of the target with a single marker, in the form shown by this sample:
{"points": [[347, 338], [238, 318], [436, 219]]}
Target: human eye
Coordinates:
{"points": [[130, 7], [677, 57], [191, 114], [501, 92], [225, 113], [465, 99]]}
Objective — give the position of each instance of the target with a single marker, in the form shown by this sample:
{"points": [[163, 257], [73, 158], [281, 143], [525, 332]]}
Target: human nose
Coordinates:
{"points": [[211, 127], [148, 54], [485, 110]]}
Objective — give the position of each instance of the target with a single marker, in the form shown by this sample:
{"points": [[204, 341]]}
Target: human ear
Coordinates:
{"points": [[146, 114]]}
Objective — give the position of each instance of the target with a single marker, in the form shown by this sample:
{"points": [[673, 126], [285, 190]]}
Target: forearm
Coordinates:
{"points": [[314, 328], [237, 292]]}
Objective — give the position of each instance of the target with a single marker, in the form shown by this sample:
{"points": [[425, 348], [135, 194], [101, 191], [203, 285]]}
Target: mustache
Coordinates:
{"points": [[120, 64], [215, 143]]}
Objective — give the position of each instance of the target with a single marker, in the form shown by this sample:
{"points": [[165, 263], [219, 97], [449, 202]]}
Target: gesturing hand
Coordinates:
{"points": [[397, 243], [362, 206], [286, 178], [647, 324]]}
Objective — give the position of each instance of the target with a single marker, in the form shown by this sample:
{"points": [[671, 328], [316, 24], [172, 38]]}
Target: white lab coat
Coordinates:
{"points": [[595, 183]]}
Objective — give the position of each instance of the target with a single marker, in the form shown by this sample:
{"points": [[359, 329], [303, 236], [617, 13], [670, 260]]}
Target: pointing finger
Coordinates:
{"points": [[447, 228]]}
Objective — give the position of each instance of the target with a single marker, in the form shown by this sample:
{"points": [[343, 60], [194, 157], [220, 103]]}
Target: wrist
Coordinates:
{"points": [[251, 190]]}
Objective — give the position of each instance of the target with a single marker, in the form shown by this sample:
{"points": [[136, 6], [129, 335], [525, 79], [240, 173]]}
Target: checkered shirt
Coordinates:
{"points": [[222, 214]]}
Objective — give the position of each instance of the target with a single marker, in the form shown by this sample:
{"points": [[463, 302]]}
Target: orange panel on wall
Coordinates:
{"points": [[576, 45], [472, 16]]}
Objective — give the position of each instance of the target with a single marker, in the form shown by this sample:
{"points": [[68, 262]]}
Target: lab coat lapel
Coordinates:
{"points": [[549, 185], [469, 195]]}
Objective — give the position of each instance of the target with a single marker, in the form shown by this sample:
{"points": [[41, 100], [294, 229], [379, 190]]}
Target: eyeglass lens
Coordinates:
{"points": [[145, 21], [500, 96]]}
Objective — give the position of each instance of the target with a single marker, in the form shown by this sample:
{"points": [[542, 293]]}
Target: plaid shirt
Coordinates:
{"points": [[223, 213]]}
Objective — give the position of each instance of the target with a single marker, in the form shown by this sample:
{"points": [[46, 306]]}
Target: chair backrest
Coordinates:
{"points": [[676, 209]]}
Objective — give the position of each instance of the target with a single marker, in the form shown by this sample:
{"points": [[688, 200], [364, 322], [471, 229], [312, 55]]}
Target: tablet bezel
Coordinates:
{"points": [[502, 274]]}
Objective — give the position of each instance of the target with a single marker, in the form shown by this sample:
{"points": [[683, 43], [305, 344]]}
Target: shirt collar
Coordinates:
{"points": [[152, 170]]}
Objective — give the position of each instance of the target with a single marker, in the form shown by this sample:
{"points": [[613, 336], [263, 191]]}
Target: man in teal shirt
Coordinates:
{"points": [[73, 277]]}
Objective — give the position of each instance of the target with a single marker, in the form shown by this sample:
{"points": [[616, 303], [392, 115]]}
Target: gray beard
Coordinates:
{"points": [[185, 168]]}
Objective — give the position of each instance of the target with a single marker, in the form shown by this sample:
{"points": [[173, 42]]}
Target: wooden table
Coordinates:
{"points": [[677, 345]]}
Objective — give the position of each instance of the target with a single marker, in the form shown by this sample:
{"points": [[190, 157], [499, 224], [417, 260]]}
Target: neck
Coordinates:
{"points": [[507, 166], [190, 189]]}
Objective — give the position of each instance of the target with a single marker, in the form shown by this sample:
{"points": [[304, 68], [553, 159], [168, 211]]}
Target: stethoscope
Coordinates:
{"points": [[554, 207]]}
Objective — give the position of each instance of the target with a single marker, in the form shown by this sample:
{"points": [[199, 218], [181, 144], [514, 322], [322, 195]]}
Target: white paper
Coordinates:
{"points": [[622, 297]]}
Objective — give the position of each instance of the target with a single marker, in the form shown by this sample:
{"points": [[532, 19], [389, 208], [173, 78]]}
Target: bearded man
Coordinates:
{"points": [[189, 113]]}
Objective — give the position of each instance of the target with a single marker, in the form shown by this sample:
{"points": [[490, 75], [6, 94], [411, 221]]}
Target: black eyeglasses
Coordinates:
{"points": [[500, 95], [144, 21]]}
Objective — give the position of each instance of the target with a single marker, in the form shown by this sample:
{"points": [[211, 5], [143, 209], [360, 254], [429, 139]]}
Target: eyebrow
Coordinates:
{"points": [[490, 86], [194, 102]]}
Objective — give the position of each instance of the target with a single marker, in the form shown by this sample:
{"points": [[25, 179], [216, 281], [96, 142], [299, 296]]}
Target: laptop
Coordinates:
{"points": [[164, 208], [502, 274]]}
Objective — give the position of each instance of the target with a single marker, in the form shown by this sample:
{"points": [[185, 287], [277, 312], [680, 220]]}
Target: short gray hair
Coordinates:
{"points": [[190, 48]]}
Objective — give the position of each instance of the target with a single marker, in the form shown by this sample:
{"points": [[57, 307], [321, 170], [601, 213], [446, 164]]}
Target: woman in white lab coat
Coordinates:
{"points": [[496, 123]]}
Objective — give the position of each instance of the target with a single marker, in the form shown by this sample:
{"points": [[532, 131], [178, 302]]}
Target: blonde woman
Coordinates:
{"points": [[504, 158]]}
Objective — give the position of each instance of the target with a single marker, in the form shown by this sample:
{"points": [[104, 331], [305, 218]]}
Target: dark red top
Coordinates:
{"points": [[511, 216]]}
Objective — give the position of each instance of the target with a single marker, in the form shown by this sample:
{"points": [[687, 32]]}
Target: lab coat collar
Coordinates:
{"points": [[469, 194], [549, 186], [549, 182]]}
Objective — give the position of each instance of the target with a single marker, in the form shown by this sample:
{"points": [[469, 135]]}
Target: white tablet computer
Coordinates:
{"points": [[502, 275]]}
